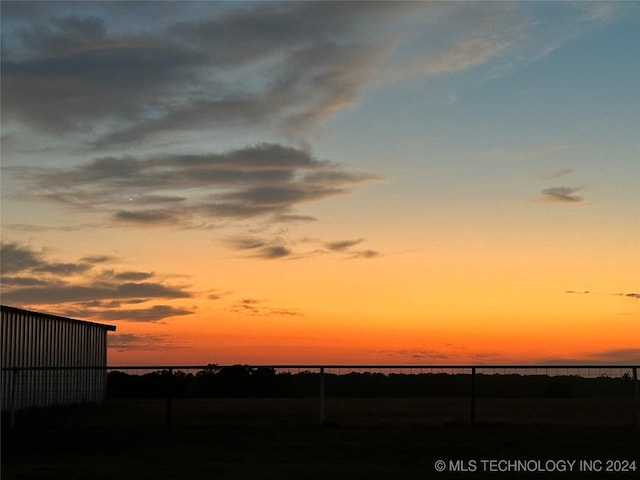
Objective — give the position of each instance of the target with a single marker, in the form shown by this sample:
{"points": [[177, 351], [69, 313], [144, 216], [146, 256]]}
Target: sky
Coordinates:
{"points": [[326, 182]]}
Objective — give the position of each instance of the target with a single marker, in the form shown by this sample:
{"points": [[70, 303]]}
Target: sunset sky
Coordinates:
{"points": [[364, 182]]}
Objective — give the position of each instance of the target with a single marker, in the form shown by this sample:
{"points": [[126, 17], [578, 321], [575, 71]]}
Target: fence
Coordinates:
{"points": [[345, 393]]}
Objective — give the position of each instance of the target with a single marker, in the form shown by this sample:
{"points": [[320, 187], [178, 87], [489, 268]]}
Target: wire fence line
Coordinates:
{"points": [[474, 393]]}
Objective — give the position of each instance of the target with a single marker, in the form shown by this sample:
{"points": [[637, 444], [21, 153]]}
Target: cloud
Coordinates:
{"points": [[246, 243], [144, 342], [451, 99], [632, 295], [416, 355], [150, 217], [365, 254], [260, 248], [133, 276], [279, 247], [53, 292], [29, 278], [23, 282], [95, 259], [257, 308], [345, 246], [200, 73], [106, 80], [597, 11], [558, 173], [618, 356], [217, 294], [256, 181], [341, 245], [276, 251], [562, 195], [150, 314], [16, 258]]}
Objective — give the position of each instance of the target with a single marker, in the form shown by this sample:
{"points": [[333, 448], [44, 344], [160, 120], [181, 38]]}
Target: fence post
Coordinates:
{"points": [[636, 415], [473, 395], [170, 398], [322, 397]]}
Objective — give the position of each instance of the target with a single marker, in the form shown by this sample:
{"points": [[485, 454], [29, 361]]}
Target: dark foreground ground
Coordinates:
{"points": [[284, 441]]}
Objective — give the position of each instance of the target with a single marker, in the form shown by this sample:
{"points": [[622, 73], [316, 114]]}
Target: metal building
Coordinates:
{"points": [[38, 350]]}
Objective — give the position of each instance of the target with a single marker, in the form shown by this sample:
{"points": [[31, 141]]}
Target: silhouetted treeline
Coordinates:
{"points": [[245, 381]]}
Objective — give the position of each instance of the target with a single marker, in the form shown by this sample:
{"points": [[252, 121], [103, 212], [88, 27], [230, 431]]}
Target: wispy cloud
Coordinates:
{"points": [[150, 314], [275, 66], [144, 342], [632, 295], [81, 289], [265, 180], [558, 173], [598, 11], [260, 247], [279, 247], [417, 355], [619, 356], [341, 245], [629, 295], [199, 73], [562, 195], [365, 254], [260, 308], [451, 99]]}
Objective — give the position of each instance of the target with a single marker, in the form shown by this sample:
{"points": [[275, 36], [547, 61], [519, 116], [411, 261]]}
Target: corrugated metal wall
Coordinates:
{"points": [[32, 339]]}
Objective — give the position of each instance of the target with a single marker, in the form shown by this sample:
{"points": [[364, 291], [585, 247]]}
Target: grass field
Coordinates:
{"points": [[341, 411], [281, 439]]}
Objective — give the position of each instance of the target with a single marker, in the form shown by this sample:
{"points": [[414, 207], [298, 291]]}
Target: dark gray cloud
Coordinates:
{"points": [[246, 243], [259, 308], [95, 259], [365, 254], [562, 194], [276, 251], [133, 276], [23, 282], [265, 179], [144, 342], [127, 276], [260, 248], [632, 295], [51, 293], [16, 258], [79, 289], [345, 246], [150, 217], [217, 294], [76, 69], [150, 314], [113, 74], [291, 218], [341, 245], [279, 247], [424, 356]]}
